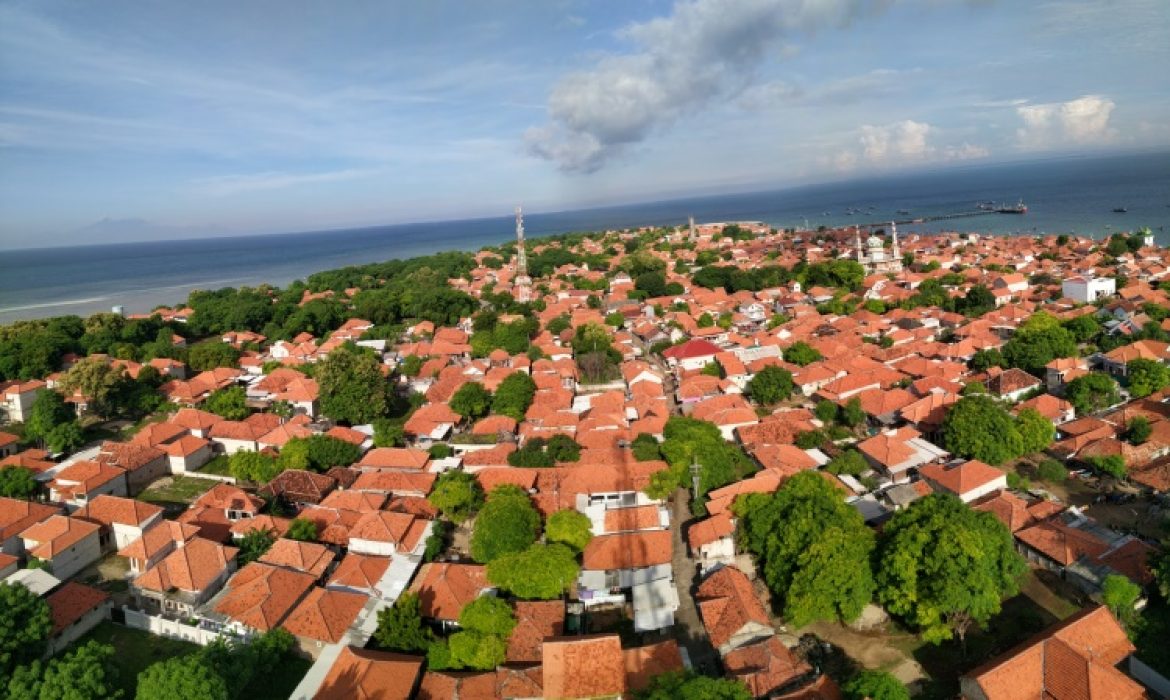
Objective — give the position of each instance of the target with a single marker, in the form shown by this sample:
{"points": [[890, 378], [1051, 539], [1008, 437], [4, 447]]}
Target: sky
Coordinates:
{"points": [[130, 120]]}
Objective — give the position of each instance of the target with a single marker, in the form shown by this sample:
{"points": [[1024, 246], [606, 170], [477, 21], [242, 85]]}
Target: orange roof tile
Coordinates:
{"points": [[363, 674], [261, 596], [325, 615], [443, 589], [583, 667]]}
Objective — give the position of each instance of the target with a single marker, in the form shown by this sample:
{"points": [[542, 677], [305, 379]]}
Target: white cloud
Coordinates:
{"points": [[1083, 121], [965, 151], [904, 140], [703, 51]]}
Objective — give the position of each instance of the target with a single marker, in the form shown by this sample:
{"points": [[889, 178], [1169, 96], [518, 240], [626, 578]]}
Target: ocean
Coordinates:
{"points": [[1067, 195]]}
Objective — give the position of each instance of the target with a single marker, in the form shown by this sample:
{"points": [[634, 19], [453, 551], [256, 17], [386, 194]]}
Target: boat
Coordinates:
{"points": [[1019, 208], [1119, 210], [903, 211]]}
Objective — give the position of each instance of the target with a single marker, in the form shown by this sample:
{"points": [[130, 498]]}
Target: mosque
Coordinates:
{"points": [[874, 257]]}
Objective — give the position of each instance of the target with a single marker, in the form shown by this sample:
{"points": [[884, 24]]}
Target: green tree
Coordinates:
{"points": [[351, 386], [852, 414], [488, 615], [471, 401], [514, 395], [1091, 392], [645, 448], [1138, 430], [712, 369], [944, 567], [48, 411], [257, 467], [18, 482], [1111, 465], [689, 685], [1052, 471], [388, 433], [978, 427], [457, 494], [507, 523], [85, 673], [254, 544], [1084, 327], [302, 530], [228, 403], [848, 462], [212, 354], [801, 353], [875, 685], [563, 448], [689, 441], [1039, 340], [826, 411], [103, 383], [65, 438], [770, 385], [569, 527], [400, 626], [987, 358], [1036, 431], [615, 319], [25, 624], [540, 572], [1146, 376], [812, 548], [411, 365], [474, 651], [181, 678], [1120, 595]]}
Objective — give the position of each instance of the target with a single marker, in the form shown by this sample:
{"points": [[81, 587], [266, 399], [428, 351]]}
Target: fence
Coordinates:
{"points": [[166, 627]]}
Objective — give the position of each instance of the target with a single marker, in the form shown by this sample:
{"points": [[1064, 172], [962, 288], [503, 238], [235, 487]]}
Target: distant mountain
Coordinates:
{"points": [[134, 230]]}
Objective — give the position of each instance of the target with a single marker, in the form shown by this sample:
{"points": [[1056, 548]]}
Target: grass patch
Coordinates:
{"points": [[135, 650], [218, 466], [1056, 605], [179, 491]]}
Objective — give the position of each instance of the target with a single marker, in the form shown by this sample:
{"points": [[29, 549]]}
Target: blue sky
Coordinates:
{"points": [[191, 118]]}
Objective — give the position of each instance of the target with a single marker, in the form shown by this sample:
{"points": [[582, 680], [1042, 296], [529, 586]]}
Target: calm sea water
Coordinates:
{"points": [[1067, 195]]}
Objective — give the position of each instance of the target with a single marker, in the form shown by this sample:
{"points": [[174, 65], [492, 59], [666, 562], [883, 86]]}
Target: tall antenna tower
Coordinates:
{"points": [[523, 281]]}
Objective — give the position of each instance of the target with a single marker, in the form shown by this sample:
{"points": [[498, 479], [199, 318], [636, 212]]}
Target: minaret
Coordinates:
{"points": [[523, 281], [894, 232], [857, 243], [691, 220]]}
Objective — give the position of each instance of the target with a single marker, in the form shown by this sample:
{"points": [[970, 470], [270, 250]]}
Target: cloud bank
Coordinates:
{"points": [[705, 50], [1083, 121]]}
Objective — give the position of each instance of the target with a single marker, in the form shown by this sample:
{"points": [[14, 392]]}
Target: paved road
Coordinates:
{"points": [[688, 626]]}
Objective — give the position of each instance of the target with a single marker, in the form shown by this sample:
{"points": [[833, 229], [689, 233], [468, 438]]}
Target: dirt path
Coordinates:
{"points": [[688, 626], [873, 649]]}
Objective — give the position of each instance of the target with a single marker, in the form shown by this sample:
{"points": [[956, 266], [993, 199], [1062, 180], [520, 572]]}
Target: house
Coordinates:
{"points": [[360, 574], [66, 544], [259, 597], [712, 541], [383, 533], [299, 488], [1080, 657], [83, 481], [122, 520], [443, 589], [75, 609], [1011, 384], [1086, 290], [219, 508], [324, 616], [364, 674], [897, 452], [639, 561], [186, 578], [691, 355], [731, 611], [592, 666], [157, 542], [143, 464], [16, 516], [17, 397], [970, 480], [309, 557], [536, 621], [187, 454], [9, 444]]}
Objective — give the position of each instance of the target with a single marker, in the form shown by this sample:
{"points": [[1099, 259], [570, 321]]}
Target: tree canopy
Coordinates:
{"points": [[507, 523], [228, 403], [813, 549], [689, 441], [570, 527], [471, 401], [351, 386], [770, 385], [85, 673], [181, 677], [457, 494], [688, 685], [1146, 376], [514, 395], [18, 482], [979, 427], [400, 626], [25, 624], [943, 566], [875, 685], [801, 353], [1092, 392], [540, 572]]}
